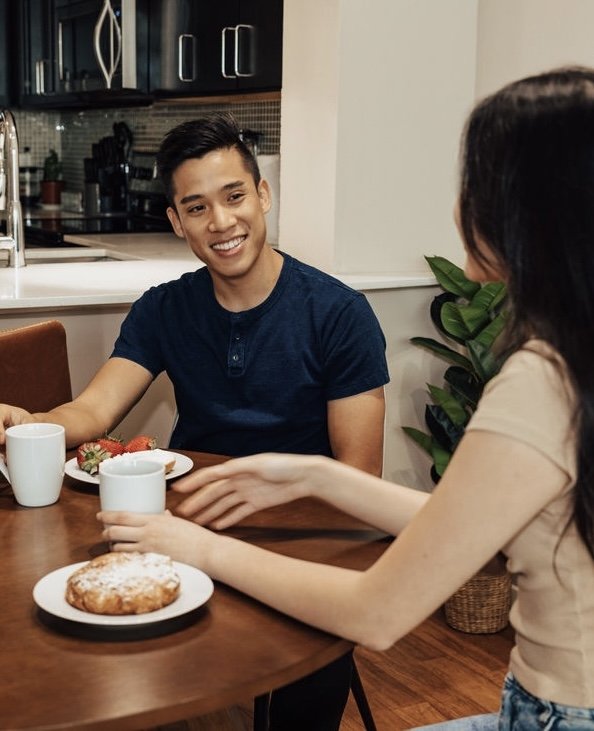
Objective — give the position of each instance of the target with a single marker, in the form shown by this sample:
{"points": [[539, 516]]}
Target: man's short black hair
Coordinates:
{"points": [[197, 138]]}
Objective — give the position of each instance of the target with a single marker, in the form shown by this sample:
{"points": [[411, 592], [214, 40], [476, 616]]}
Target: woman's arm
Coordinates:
{"points": [[226, 493], [492, 489]]}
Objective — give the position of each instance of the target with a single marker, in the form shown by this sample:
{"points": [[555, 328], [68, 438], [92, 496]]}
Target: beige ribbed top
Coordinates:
{"points": [[553, 614]]}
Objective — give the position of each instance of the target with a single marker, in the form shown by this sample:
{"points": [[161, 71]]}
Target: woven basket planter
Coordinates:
{"points": [[482, 604]]}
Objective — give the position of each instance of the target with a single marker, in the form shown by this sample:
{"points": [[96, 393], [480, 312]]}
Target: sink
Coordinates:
{"points": [[72, 259], [71, 255]]}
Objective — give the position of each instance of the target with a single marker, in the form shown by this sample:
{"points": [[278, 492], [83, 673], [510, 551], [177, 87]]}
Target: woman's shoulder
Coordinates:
{"points": [[532, 385], [531, 400], [534, 360]]}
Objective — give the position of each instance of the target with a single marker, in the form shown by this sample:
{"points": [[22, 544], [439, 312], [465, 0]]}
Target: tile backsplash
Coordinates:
{"points": [[71, 133]]}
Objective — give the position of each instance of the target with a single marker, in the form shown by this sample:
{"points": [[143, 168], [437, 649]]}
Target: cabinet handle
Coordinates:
{"points": [[250, 29], [223, 53], [39, 85], [60, 53], [181, 41], [129, 73], [115, 36], [40, 75], [235, 29]]}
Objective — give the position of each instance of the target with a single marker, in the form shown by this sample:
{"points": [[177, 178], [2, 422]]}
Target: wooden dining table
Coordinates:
{"points": [[61, 674]]}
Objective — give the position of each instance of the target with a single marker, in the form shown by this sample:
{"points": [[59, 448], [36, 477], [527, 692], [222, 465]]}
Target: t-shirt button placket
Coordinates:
{"points": [[236, 352]]}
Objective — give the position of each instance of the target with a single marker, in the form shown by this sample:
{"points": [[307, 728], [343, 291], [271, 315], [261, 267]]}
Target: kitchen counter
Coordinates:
{"points": [[146, 260], [143, 260]]}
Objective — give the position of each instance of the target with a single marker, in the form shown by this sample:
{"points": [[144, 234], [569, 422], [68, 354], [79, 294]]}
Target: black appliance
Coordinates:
{"points": [[79, 53], [51, 231]]}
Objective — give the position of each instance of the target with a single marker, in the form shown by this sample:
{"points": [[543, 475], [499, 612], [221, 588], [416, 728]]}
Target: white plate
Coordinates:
{"points": [[49, 594], [183, 464]]}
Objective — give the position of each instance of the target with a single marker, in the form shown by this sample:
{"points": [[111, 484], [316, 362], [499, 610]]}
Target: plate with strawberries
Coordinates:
{"points": [[85, 466]]}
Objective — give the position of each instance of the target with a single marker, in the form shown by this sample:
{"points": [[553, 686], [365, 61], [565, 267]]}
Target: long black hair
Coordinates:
{"points": [[527, 190]]}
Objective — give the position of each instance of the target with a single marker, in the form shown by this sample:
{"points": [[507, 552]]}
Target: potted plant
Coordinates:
{"points": [[52, 183], [470, 317]]}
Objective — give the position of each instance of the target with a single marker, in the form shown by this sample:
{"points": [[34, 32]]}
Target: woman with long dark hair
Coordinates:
{"points": [[521, 480]]}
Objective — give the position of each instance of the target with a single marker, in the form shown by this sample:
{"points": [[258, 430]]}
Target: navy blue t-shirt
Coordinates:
{"points": [[257, 380]]}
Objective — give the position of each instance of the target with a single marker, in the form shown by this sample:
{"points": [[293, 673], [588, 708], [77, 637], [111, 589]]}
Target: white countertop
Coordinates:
{"points": [[144, 260]]}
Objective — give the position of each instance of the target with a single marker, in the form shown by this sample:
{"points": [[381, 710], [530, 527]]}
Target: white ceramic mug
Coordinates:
{"points": [[132, 485], [35, 455]]}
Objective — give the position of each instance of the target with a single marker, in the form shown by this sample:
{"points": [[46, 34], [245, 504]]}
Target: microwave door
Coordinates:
{"points": [[97, 47]]}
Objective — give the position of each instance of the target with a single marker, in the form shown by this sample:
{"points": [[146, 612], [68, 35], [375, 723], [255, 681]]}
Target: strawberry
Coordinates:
{"points": [[140, 444], [88, 456], [113, 445]]}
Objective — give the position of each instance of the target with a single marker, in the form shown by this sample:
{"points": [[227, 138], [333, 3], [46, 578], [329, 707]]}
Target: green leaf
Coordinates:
{"points": [[450, 404], [443, 429], [451, 277], [484, 361], [489, 334], [463, 321], [439, 455], [464, 384], [422, 439], [441, 458], [489, 296], [443, 351], [435, 313]]}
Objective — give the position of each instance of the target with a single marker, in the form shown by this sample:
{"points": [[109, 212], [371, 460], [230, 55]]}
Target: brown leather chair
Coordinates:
{"points": [[34, 371]]}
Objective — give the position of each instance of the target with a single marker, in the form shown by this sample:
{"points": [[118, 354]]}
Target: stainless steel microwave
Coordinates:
{"points": [[87, 51]]}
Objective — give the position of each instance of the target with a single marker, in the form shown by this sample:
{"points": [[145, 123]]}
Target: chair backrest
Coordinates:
{"points": [[34, 371]]}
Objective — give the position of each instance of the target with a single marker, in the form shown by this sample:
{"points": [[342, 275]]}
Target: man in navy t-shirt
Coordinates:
{"points": [[264, 352]]}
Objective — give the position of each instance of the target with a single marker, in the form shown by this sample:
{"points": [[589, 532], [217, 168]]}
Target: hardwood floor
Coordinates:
{"points": [[433, 674]]}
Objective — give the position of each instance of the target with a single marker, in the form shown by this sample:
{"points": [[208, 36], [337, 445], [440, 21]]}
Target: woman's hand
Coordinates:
{"points": [[160, 533], [227, 493]]}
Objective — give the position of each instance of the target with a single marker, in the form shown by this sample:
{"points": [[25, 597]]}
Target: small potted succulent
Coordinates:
{"points": [[52, 183], [470, 317]]}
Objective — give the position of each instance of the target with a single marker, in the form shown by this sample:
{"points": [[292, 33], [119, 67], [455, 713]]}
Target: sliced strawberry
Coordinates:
{"points": [[89, 455], [140, 443]]}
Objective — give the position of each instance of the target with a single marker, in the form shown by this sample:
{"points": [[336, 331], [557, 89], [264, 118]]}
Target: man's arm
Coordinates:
{"points": [[114, 390], [356, 430]]}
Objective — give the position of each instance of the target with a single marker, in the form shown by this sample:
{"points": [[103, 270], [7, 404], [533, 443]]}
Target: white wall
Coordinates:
{"points": [[517, 38], [404, 313], [374, 98], [309, 121]]}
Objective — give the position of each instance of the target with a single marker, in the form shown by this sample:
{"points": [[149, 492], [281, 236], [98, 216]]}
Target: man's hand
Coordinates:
{"points": [[11, 416]]}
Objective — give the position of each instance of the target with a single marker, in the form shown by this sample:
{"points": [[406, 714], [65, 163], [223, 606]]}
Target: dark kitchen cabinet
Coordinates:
{"points": [[79, 53], [5, 55], [35, 68], [93, 53], [230, 46]]}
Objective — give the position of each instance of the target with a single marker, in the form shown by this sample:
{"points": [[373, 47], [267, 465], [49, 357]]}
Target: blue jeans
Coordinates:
{"points": [[521, 711]]}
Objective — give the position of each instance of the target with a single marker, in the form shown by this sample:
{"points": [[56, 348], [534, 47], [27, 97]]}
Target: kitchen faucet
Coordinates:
{"points": [[10, 202]]}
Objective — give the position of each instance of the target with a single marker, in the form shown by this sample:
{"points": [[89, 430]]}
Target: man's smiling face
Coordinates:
{"points": [[220, 212]]}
